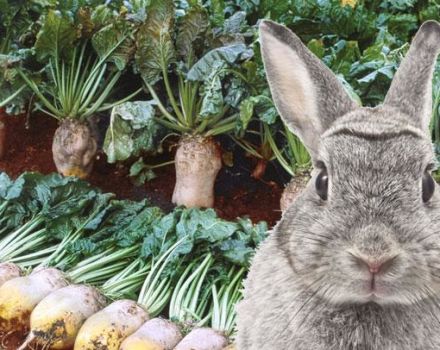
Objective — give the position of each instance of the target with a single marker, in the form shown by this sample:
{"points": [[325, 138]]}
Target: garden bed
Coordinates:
{"points": [[237, 193]]}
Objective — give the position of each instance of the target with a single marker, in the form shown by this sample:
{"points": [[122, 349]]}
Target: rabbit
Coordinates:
{"points": [[354, 262]]}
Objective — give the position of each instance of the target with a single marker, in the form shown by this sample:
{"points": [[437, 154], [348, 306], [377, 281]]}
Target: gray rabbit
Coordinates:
{"points": [[355, 261]]}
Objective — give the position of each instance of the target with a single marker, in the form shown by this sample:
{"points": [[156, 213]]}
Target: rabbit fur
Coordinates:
{"points": [[306, 289]]}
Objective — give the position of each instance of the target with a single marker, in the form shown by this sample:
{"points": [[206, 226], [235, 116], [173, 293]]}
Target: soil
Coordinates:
{"points": [[237, 194]]}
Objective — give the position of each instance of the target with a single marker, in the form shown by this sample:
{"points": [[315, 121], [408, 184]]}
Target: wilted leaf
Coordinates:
{"points": [[155, 46], [132, 129], [191, 30]]}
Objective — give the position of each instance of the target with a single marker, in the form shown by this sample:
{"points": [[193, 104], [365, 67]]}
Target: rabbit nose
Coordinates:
{"points": [[376, 266]]}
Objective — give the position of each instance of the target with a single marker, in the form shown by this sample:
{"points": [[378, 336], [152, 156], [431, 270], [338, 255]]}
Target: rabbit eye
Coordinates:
{"points": [[428, 186], [321, 184]]}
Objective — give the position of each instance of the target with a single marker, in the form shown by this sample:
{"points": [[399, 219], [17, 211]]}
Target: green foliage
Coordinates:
{"points": [[132, 129], [199, 60], [155, 46], [56, 37], [124, 247]]}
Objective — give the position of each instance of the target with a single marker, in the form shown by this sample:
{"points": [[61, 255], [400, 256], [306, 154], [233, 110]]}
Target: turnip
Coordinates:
{"points": [[155, 334], [56, 320], [20, 295], [79, 89], [197, 161], [109, 327], [153, 297], [8, 271], [293, 189], [203, 339], [74, 148], [113, 324], [295, 159], [199, 110]]}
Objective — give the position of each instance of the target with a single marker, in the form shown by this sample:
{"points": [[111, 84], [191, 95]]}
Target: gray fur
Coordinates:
{"points": [[332, 99], [410, 91], [305, 291]]}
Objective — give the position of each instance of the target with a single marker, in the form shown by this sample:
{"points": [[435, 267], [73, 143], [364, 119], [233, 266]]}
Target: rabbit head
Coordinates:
{"points": [[366, 227]]}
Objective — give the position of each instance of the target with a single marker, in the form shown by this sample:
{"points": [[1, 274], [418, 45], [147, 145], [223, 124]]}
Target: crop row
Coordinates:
{"points": [[67, 250]]}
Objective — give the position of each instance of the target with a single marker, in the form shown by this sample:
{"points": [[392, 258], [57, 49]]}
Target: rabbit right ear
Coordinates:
{"points": [[411, 88], [307, 94]]}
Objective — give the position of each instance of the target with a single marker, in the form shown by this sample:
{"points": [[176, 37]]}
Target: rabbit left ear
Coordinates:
{"points": [[308, 96], [411, 88]]}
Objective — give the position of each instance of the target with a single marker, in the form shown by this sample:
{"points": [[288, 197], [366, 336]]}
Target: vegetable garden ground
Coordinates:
{"points": [[257, 199]]}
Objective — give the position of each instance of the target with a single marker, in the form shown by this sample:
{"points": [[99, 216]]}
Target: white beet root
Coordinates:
{"points": [[8, 271], [56, 320], [155, 334], [74, 148], [203, 339], [293, 189], [108, 328], [198, 161], [20, 295]]}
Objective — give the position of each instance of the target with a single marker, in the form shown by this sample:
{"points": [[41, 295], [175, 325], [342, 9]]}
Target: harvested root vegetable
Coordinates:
{"points": [[203, 339], [56, 320], [19, 296], [293, 189], [198, 161], [155, 334], [74, 147], [8, 271], [109, 327]]}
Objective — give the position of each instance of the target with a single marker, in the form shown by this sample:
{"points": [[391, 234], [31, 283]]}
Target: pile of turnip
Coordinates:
{"points": [[99, 273]]}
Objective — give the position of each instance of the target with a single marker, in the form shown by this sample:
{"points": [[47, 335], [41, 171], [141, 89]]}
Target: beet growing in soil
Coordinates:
{"points": [[237, 194]]}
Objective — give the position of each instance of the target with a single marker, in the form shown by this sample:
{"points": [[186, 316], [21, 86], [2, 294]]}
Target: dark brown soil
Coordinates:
{"points": [[237, 194]]}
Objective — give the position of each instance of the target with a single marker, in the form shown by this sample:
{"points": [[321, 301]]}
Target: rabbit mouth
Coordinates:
{"points": [[373, 291]]}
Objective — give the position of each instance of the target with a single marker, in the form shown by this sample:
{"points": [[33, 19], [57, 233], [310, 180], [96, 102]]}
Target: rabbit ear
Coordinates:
{"points": [[307, 94], [410, 90]]}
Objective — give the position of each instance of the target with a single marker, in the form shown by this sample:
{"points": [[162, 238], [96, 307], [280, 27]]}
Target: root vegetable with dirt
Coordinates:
{"points": [[81, 86], [19, 296], [56, 320], [8, 271], [295, 159], [199, 112], [117, 322], [74, 148], [293, 189], [155, 334], [203, 339], [198, 161], [109, 327]]}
